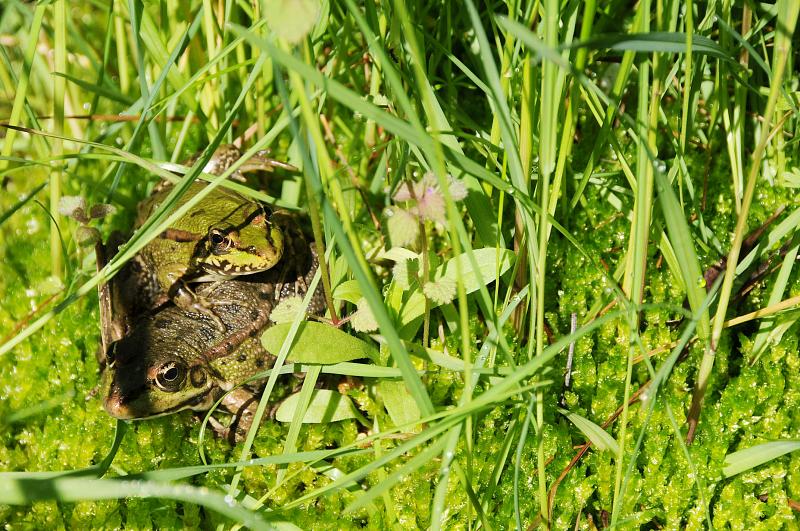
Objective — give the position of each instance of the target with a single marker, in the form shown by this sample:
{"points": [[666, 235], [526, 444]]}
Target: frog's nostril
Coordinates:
{"points": [[115, 405]]}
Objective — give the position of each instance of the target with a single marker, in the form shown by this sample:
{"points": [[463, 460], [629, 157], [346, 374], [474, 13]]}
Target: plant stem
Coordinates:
{"points": [[59, 89]]}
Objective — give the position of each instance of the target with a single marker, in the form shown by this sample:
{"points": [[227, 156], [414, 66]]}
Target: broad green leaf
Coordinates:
{"points": [[599, 437], [491, 263], [744, 460], [318, 343], [349, 291], [326, 406], [405, 272], [398, 401]]}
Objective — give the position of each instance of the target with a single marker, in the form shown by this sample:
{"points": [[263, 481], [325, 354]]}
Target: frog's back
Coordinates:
{"points": [[224, 200]]}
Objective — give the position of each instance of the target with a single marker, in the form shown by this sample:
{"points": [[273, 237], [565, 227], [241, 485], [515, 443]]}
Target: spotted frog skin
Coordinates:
{"points": [[225, 235], [170, 359]]}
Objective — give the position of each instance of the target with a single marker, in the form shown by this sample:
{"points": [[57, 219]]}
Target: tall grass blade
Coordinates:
{"points": [[749, 458]]}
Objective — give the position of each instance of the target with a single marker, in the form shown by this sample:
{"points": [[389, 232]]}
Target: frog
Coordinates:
{"points": [[168, 359], [225, 235]]}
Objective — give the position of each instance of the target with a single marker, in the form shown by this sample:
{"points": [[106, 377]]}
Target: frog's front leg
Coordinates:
{"points": [[186, 298], [242, 403]]}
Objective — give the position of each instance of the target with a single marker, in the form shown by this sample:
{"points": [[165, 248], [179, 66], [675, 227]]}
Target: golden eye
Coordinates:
{"points": [[220, 242], [171, 376]]}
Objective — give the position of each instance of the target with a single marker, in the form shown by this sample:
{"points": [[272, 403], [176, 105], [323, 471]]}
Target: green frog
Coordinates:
{"points": [[225, 235], [169, 359]]}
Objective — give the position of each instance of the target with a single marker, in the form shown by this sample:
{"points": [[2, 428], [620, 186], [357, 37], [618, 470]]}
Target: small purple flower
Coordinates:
{"points": [[428, 197]]}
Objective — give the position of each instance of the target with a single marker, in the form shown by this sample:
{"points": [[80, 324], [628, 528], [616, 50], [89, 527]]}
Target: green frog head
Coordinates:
{"points": [[142, 384], [173, 360], [156, 371], [224, 235], [239, 236]]}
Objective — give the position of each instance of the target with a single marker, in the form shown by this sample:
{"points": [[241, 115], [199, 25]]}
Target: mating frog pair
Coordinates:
{"points": [[161, 358]]}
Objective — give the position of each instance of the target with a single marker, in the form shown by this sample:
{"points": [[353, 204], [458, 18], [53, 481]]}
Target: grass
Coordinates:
{"points": [[619, 152]]}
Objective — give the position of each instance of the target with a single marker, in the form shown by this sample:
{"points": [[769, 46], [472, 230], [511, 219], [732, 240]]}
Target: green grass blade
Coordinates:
{"points": [[749, 458], [599, 437], [23, 83], [787, 19], [680, 237], [16, 491], [655, 42], [98, 90]]}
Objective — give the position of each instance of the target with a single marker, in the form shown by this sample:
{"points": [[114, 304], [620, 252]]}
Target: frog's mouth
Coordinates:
{"points": [[129, 395], [224, 270], [123, 406]]}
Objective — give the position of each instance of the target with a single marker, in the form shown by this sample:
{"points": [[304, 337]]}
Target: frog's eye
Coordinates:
{"points": [[171, 376], [220, 242]]}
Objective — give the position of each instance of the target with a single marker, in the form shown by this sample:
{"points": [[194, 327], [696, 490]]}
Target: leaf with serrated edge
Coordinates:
{"points": [[443, 291], [402, 226], [405, 272], [286, 310], [363, 319], [395, 254], [491, 263]]}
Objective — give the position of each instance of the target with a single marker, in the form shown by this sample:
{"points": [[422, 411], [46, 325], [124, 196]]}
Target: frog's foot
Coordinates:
{"points": [[242, 403], [188, 300], [221, 430]]}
